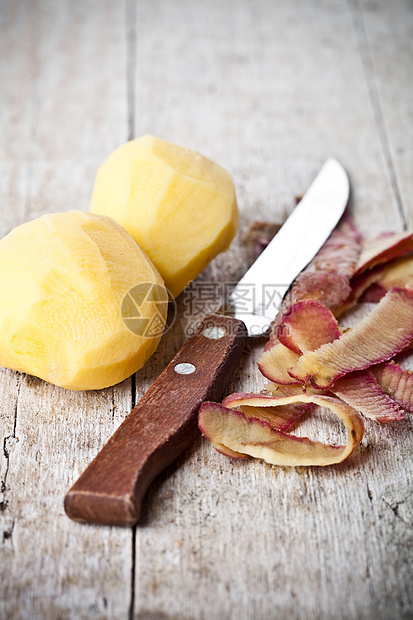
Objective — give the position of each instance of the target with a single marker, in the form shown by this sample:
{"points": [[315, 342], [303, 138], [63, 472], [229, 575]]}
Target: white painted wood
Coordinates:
{"points": [[269, 90]]}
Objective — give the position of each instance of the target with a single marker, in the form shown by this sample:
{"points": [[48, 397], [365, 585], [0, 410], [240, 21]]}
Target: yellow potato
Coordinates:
{"points": [[66, 314], [179, 206]]}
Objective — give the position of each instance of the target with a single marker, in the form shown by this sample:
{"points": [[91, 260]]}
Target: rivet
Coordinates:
{"points": [[185, 368], [214, 333]]}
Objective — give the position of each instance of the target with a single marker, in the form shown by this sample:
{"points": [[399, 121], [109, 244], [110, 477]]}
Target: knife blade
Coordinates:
{"points": [[296, 243], [164, 421]]}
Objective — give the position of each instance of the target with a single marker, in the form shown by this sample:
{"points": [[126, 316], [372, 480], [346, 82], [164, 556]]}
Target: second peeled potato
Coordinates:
{"points": [[178, 205]]}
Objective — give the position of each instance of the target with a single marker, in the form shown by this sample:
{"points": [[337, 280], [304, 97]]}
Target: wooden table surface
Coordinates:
{"points": [[269, 89]]}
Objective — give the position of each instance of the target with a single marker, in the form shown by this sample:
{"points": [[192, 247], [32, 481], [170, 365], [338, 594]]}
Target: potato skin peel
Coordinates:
{"points": [[396, 382], [361, 391], [275, 363], [306, 326], [312, 324], [382, 249], [327, 277], [371, 285], [307, 358], [251, 436], [357, 349], [396, 273], [283, 417]]}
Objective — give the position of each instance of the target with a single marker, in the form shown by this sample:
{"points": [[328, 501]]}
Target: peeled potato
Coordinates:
{"points": [[179, 206], [81, 305]]}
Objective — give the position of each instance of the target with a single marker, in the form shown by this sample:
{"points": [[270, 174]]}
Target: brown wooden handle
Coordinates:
{"points": [[159, 428]]}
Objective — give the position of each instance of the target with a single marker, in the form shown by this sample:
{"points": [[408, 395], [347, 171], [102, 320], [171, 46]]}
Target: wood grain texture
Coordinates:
{"points": [[387, 30], [55, 123], [269, 90]]}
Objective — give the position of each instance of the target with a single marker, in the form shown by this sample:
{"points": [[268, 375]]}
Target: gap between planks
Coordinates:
{"points": [[130, 24], [3, 488], [130, 32]]}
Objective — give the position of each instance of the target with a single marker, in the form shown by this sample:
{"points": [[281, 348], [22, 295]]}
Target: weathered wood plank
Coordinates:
{"points": [[270, 90], [14, 114], [65, 108], [388, 31], [52, 566]]}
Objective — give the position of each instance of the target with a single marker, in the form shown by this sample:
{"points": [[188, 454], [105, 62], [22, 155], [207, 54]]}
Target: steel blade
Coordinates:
{"points": [[258, 295]]}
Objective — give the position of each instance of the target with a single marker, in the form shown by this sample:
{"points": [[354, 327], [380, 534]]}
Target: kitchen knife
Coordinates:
{"points": [[164, 422]]}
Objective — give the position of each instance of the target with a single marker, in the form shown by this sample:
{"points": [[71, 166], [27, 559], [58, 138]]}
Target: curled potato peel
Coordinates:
{"points": [[310, 324], [232, 430], [307, 357], [395, 381], [384, 332], [382, 249]]}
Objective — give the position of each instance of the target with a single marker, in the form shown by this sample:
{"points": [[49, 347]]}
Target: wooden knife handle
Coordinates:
{"points": [[159, 428]]}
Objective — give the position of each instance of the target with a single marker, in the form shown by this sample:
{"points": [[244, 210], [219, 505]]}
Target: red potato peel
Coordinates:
{"points": [[360, 348], [306, 326], [361, 391], [359, 285], [230, 453], [330, 288], [233, 430], [396, 382], [341, 251], [327, 277], [284, 390], [281, 417], [373, 294], [382, 249], [306, 346], [398, 273], [373, 284], [275, 362]]}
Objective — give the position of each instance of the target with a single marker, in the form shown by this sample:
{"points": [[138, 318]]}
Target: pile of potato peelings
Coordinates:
{"points": [[309, 361]]}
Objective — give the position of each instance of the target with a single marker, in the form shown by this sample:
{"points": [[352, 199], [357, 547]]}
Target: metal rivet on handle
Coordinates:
{"points": [[185, 368], [214, 332]]}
